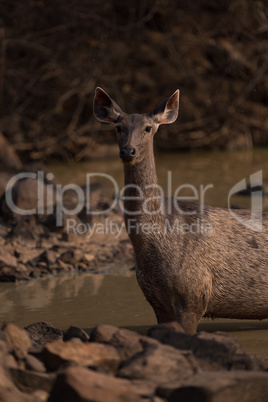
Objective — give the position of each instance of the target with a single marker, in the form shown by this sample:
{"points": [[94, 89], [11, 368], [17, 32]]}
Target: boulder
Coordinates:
{"points": [[77, 384], [218, 387], [213, 351], [75, 332], [160, 364], [127, 342], [94, 355], [17, 337], [29, 381], [43, 332]]}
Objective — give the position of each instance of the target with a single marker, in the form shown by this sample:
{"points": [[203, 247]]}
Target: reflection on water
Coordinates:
{"points": [[87, 300]]}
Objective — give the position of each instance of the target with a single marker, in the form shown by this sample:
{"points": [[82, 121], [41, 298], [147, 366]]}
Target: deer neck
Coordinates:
{"points": [[141, 186]]}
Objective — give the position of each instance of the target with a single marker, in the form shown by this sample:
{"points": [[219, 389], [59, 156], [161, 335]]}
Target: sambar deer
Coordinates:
{"points": [[222, 272]]}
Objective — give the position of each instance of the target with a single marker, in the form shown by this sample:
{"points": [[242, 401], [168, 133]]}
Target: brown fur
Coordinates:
{"points": [[184, 276]]}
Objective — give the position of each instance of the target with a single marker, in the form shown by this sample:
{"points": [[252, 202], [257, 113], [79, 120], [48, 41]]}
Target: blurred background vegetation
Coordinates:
{"points": [[54, 53]]}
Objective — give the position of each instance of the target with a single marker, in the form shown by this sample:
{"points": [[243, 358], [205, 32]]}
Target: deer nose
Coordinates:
{"points": [[128, 154]]}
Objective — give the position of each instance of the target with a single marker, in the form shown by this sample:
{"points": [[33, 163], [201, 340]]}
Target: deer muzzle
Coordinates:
{"points": [[127, 154]]}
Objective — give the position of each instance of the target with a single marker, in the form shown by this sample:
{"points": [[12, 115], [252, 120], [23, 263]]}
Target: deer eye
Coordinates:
{"points": [[148, 129]]}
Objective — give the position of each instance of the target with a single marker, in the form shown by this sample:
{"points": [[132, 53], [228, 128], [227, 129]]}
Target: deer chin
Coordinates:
{"points": [[130, 163]]}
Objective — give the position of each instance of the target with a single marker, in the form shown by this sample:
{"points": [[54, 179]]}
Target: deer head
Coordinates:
{"points": [[135, 132]]}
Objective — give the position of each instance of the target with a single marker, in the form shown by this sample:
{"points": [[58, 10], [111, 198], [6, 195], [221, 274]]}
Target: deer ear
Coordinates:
{"points": [[105, 109], [167, 111]]}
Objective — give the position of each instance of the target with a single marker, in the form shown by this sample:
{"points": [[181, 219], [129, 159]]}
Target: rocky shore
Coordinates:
{"points": [[43, 363], [30, 249], [57, 241]]}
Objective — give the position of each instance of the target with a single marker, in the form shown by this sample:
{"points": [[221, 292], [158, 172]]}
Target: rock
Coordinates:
{"points": [[50, 257], [121, 365], [17, 337], [43, 332], [10, 361], [127, 342], [9, 274], [7, 259], [72, 256], [88, 257], [75, 332], [219, 387], [11, 396], [3, 337], [77, 384], [26, 255], [8, 392], [40, 396], [160, 331], [213, 351], [28, 381], [34, 364], [160, 364], [94, 355]]}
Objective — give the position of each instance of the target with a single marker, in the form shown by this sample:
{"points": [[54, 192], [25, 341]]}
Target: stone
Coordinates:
{"points": [[160, 330], [160, 364], [75, 332], [40, 396], [12, 396], [9, 274], [88, 257], [127, 342], [17, 337], [94, 355], [6, 259], [8, 392], [218, 387], [77, 384], [27, 381], [213, 351], [43, 332], [71, 256], [10, 361], [26, 255], [34, 364]]}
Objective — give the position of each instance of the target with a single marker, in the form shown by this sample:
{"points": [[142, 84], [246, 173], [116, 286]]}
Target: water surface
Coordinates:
{"points": [[87, 300]]}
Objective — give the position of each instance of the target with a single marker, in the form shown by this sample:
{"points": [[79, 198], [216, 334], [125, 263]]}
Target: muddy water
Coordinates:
{"points": [[87, 300], [215, 172], [90, 299]]}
